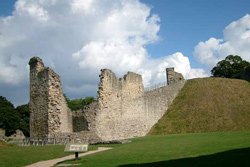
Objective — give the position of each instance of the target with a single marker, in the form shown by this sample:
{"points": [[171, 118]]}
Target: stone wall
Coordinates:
{"points": [[2, 135], [121, 106], [174, 77], [49, 111], [17, 137], [123, 109], [157, 101], [38, 99], [246, 74], [85, 119]]}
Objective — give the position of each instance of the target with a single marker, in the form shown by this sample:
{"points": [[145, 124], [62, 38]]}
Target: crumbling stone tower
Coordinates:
{"points": [[49, 111], [174, 77]]}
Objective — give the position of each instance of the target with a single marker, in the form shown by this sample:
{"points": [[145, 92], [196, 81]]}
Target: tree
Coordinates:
{"points": [[77, 104], [8, 117], [88, 100], [231, 67], [12, 118], [23, 112]]}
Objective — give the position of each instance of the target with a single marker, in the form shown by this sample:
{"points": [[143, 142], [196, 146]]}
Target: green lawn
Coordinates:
{"points": [[16, 156], [184, 150], [229, 149]]}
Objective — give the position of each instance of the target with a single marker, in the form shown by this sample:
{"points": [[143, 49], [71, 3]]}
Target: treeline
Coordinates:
{"points": [[12, 118]]}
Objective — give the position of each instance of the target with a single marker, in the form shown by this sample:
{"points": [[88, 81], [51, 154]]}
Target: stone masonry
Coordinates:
{"points": [[49, 111], [245, 74], [123, 109], [174, 77]]}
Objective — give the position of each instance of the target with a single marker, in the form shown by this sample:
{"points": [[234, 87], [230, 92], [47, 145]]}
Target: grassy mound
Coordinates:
{"points": [[208, 105]]}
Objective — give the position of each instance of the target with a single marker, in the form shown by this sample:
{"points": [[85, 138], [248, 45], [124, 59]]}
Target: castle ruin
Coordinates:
{"points": [[123, 108], [245, 74]]}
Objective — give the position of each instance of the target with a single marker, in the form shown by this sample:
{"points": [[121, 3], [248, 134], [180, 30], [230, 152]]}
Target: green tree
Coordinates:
{"points": [[77, 104], [8, 117], [23, 112], [231, 67], [88, 100]]}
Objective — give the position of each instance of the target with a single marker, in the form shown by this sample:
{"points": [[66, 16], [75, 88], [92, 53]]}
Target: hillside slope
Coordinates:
{"points": [[208, 105]]}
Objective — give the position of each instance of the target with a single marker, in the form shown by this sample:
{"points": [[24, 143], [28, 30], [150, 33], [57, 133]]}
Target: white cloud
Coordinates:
{"points": [[79, 37], [236, 41], [117, 55], [178, 61], [81, 6]]}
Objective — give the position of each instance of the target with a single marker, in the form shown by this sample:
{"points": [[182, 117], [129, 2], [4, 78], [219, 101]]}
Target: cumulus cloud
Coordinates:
{"points": [[79, 37], [178, 61], [236, 41]]}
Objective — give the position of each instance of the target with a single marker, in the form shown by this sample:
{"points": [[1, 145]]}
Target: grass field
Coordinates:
{"points": [[16, 156], [231, 149], [208, 105], [190, 150]]}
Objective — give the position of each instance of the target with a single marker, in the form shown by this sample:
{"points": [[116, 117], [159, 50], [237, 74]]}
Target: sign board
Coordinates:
{"points": [[76, 147]]}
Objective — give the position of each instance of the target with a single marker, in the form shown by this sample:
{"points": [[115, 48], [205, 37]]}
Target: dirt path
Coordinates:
{"points": [[52, 162]]}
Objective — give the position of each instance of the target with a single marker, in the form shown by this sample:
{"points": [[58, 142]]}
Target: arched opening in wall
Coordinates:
{"points": [[80, 124]]}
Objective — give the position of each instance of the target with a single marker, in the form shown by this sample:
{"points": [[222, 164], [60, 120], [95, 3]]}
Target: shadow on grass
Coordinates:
{"points": [[232, 158]]}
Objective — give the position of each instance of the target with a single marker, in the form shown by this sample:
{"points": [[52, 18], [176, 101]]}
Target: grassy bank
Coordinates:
{"points": [[190, 150], [208, 105]]}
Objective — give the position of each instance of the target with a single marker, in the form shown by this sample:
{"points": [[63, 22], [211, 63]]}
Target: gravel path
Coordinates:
{"points": [[52, 162]]}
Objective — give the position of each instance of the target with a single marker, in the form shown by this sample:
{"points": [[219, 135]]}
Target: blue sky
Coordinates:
{"points": [[79, 37], [184, 23], [6, 8]]}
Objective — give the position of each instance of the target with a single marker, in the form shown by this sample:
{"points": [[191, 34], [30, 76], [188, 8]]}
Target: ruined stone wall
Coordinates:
{"points": [[17, 137], [49, 111], [121, 106], [59, 116], [85, 119], [38, 99], [157, 101], [84, 123], [245, 74], [123, 109], [174, 77], [126, 110], [2, 135]]}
